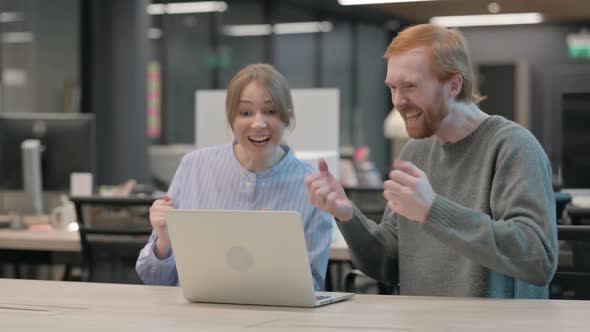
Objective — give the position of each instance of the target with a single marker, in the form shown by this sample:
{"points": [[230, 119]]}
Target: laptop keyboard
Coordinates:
{"points": [[321, 297]]}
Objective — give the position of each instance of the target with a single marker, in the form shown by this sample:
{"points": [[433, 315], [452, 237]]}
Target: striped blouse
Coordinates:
{"points": [[213, 178]]}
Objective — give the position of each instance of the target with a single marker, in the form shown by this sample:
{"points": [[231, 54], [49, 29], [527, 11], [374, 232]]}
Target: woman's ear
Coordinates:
{"points": [[455, 85], [291, 119]]}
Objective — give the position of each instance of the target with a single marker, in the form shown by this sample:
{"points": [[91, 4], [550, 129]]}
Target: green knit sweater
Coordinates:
{"points": [[491, 231]]}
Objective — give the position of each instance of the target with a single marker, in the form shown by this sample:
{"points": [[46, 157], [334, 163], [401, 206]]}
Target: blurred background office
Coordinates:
{"points": [[134, 66]]}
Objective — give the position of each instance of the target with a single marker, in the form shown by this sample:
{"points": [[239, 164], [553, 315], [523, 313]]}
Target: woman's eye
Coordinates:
{"points": [[245, 113], [271, 112]]}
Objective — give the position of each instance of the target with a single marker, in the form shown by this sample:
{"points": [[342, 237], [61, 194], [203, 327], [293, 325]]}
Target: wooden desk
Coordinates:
{"points": [[32, 305], [55, 247], [40, 248], [64, 241], [54, 240]]}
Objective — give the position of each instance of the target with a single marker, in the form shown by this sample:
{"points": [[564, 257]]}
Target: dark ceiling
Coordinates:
{"points": [[552, 10], [562, 11]]}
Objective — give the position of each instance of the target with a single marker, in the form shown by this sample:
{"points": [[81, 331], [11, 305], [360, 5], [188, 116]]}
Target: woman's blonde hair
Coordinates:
{"points": [[272, 80], [447, 51]]}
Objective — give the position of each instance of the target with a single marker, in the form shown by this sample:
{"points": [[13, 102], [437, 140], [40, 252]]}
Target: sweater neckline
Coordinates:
{"points": [[462, 144]]}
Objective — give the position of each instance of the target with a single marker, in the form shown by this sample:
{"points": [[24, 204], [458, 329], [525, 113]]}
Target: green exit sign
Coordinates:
{"points": [[579, 52], [578, 45]]}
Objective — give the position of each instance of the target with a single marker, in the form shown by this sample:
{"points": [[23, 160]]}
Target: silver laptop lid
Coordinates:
{"points": [[244, 257]]}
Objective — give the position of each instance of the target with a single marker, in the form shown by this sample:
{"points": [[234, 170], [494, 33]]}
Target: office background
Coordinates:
{"points": [[137, 73], [113, 59]]}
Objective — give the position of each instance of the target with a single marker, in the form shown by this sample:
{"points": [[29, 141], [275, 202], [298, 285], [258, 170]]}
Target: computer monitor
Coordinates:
{"points": [[68, 144]]}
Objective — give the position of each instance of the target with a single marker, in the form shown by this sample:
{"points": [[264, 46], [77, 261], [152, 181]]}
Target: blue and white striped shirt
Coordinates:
{"points": [[213, 178]]}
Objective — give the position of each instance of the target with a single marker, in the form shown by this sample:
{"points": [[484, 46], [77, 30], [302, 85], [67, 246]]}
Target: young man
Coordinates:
{"points": [[471, 210]]}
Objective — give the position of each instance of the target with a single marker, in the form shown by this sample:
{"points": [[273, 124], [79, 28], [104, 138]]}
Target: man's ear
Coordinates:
{"points": [[455, 85]]}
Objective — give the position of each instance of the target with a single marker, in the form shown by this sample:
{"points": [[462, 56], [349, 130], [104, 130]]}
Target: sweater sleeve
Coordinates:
{"points": [[374, 247], [519, 238]]}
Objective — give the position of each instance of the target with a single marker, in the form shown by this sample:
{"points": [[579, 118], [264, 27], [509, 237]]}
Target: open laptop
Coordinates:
{"points": [[244, 257]]}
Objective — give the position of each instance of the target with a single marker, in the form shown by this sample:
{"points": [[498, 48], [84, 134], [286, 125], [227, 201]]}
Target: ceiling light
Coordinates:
{"points": [[187, 7], [154, 33], [17, 37], [494, 7], [6, 17], [372, 2], [484, 20], [247, 30], [279, 28], [302, 27]]}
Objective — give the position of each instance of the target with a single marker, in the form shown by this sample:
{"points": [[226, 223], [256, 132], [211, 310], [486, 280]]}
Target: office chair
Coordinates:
{"points": [[572, 278], [126, 247], [110, 245], [351, 280], [561, 201]]}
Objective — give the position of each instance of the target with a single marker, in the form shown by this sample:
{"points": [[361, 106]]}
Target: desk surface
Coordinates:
{"points": [[32, 305], [53, 240], [62, 240]]}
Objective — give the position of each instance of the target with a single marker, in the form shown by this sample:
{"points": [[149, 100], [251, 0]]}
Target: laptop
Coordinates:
{"points": [[244, 257]]}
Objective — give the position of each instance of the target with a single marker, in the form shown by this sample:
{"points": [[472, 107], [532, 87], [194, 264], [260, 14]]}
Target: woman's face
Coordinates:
{"points": [[257, 126]]}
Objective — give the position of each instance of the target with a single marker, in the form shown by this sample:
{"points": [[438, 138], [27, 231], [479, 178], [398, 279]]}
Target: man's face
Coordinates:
{"points": [[417, 94]]}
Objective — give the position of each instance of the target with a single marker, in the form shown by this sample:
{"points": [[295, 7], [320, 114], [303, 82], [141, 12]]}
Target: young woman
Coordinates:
{"points": [[255, 172]]}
